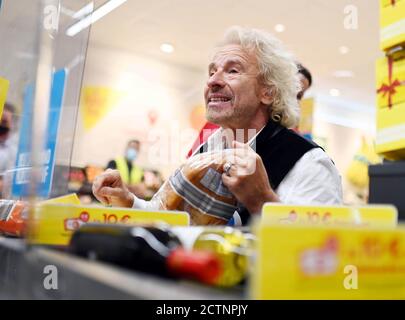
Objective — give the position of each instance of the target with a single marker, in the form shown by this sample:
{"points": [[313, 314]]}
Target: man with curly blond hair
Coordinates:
{"points": [[251, 93]]}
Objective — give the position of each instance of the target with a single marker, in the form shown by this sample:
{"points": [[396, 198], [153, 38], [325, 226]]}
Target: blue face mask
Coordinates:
{"points": [[131, 154]]}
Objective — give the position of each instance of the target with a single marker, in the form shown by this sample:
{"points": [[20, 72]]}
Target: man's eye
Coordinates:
{"points": [[233, 71]]}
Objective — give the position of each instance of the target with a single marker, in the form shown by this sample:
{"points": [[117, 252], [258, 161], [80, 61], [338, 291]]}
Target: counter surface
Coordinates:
{"points": [[23, 275]]}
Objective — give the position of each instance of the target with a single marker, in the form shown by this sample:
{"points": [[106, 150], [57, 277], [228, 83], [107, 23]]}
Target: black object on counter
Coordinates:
{"points": [[147, 249], [387, 185]]}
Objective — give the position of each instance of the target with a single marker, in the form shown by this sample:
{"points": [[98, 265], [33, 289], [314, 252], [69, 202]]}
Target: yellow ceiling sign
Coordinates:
{"points": [[96, 102]]}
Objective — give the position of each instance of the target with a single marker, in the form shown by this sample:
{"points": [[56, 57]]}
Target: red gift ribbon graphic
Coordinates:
{"points": [[389, 89]]}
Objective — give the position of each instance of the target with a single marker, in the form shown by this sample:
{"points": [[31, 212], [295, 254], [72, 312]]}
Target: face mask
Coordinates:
{"points": [[131, 154], [4, 130]]}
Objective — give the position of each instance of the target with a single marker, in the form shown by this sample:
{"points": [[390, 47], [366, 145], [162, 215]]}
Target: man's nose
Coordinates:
{"points": [[216, 80]]}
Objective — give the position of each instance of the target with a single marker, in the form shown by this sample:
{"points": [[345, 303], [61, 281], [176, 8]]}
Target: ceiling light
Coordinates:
{"points": [[93, 17], [279, 28], [343, 74], [167, 48], [87, 9], [344, 50], [334, 92]]}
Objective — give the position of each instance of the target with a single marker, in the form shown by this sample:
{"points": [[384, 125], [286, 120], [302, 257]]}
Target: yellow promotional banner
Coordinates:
{"points": [[362, 216], [386, 3], [308, 262], [390, 138], [4, 85], [306, 116], [392, 23], [390, 81], [54, 224], [96, 102]]}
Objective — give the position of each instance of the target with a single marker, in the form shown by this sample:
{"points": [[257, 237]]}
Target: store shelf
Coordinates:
{"points": [[22, 277]]}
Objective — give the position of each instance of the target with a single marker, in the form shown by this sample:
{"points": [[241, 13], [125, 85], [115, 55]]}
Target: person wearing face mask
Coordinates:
{"points": [[132, 174], [8, 147]]}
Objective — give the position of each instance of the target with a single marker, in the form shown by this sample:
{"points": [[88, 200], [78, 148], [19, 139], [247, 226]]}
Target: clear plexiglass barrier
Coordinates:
{"points": [[41, 67]]}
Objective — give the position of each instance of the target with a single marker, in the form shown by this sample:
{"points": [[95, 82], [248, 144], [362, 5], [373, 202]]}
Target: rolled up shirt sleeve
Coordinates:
{"points": [[143, 204]]}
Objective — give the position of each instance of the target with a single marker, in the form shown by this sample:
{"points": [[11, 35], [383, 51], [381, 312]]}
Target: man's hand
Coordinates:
{"points": [[247, 178], [109, 189]]}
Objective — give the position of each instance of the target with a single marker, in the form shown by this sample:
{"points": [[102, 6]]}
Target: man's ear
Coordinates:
{"points": [[267, 95]]}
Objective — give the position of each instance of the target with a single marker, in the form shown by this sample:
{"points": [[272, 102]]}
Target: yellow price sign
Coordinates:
{"points": [[67, 199], [54, 223], [308, 262], [4, 85], [362, 216]]}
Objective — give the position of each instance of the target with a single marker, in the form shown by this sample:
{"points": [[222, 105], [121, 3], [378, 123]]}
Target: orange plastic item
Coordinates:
{"points": [[12, 217]]}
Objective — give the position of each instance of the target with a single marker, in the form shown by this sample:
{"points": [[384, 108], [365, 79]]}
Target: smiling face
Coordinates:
{"points": [[234, 97]]}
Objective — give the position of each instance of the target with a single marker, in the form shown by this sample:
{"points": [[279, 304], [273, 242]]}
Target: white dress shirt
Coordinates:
{"points": [[314, 179]]}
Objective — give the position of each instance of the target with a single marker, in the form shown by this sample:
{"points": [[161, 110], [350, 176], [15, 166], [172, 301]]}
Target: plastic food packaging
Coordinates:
{"points": [[197, 188], [12, 217]]}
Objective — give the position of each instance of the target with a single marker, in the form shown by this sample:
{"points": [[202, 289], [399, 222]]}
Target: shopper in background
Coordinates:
{"points": [[305, 78], [209, 128], [131, 173], [8, 143], [253, 84]]}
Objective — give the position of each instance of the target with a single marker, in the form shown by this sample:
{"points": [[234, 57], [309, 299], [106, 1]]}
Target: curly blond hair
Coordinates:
{"points": [[277, 70]]}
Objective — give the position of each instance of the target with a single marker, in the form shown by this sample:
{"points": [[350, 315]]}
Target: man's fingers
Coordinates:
{"points": [[239, 145], [103, 200], [241, 150], [241, 162], [235, 158], [229, 182], [95, 188], [98, 196], [110, 192], [108, 177]]}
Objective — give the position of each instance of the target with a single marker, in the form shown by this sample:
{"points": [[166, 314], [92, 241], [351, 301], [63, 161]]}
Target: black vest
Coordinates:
{"points": [[280, 149]]}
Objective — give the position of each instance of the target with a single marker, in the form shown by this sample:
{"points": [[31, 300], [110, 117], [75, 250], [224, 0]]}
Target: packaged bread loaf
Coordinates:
{"points": [[197, 188]]}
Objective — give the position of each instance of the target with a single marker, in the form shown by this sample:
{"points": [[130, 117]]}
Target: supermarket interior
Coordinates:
{"points": [[202, 150]]}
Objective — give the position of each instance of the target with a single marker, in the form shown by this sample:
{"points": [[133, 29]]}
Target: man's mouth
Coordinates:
{"points": [[218, 101]]}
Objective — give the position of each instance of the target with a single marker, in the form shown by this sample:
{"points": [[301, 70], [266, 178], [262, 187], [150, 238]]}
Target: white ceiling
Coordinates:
{"points": [[314, 32]]}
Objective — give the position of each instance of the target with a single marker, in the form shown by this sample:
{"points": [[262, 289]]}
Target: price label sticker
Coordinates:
{"points": [[362, 216], [328, 262], [54, 223]]}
